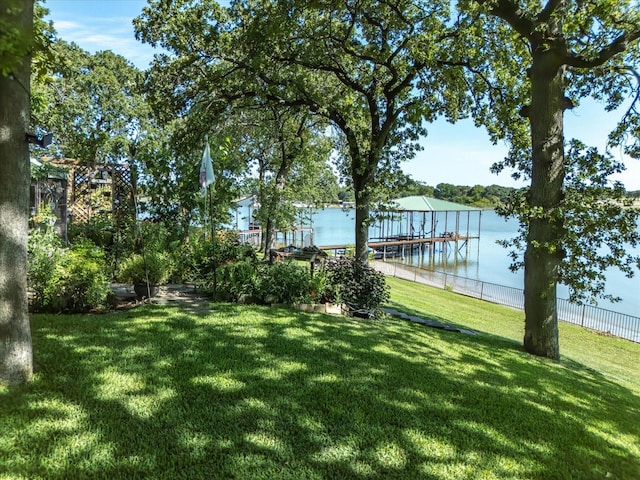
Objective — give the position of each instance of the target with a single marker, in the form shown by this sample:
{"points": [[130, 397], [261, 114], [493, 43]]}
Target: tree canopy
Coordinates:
{"points": [[94, 105], [369, 68]]}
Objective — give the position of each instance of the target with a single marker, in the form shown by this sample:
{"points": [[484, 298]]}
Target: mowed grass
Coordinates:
{"points": [[614, 358], [260, 393]]}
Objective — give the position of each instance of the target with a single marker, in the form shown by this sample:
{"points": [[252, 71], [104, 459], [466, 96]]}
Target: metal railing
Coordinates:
{"points": [[595, 318]]}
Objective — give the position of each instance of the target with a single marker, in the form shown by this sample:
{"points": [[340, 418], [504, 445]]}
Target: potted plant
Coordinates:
{"points": [[146, 272]]}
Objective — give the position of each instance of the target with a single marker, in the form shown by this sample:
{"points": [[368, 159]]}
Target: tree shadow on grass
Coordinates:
{"points": [[272, 393]]}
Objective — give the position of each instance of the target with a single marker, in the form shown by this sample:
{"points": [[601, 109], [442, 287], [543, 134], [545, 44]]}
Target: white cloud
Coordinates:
{"points": [[97, 33]]}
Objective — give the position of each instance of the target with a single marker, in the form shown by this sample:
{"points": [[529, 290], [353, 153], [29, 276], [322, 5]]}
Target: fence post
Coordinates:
{"points": [[481, 290], [415, 275], [584, 307]]}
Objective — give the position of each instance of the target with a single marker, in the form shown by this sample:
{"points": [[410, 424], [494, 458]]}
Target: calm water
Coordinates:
{"points": [[482, 259]]}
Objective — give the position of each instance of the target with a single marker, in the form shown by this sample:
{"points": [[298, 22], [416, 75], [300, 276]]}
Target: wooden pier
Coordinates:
{"points": [[411, 225], [400, 246]]}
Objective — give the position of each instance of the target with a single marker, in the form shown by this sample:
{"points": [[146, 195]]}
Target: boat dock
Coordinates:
{"points": [[399, 246], [413, 225]]}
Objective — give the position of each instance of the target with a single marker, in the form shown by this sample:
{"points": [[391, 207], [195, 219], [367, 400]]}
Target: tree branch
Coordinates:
{"points": [[636, 99], [548, 10], [618, 45], [510, 12]]}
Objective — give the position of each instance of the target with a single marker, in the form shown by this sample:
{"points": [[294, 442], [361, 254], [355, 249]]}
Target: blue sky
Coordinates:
{"points": [[459, 154]]}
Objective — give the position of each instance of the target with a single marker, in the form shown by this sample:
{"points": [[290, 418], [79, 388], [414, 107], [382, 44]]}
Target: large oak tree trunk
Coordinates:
{"points": [[272, 203], [542, 256], [15, 335]]}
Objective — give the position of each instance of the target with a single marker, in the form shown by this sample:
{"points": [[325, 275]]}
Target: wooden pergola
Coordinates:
{"points": [[78, 192]]}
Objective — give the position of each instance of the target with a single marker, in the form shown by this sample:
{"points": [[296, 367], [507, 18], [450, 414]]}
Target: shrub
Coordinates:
{"points": [[74, 280], [196, 259], [192, 260], [44, 253], [237, 279], [285, 282], [351, 281], [100, 230], [343, 280], [319, 287], [228, 248], [137, 266]]}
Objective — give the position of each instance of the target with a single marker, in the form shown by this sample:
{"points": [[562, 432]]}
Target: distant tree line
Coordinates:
{"points": [[477, 195]]}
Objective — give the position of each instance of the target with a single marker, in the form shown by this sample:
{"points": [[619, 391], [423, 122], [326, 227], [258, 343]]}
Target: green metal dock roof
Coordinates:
{"points": [[427, 204]]}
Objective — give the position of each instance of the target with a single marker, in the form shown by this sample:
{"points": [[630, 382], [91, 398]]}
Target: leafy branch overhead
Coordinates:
{"points": [[368, 68]]}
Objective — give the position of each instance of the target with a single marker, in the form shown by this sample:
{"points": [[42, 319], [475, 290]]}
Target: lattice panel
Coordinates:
{"points": [[102, 190], [80, 204], [123, 205]]}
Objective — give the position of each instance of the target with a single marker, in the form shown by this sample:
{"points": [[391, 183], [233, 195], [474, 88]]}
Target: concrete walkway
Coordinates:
{"points": [[428, 323], [184, 294]]}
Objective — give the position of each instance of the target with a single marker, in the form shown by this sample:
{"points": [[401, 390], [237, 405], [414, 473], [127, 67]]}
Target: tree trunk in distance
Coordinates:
{"points": [[268, 236], [362, 227], [361, 188]]}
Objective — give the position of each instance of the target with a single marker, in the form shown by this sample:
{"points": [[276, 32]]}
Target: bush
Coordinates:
{"points": [[237, 279], [286, 283], [354, 283], [319, 287], [70, 280], [100, 230], [44, 253], [196, 259], [137, 266], [343, 280]]}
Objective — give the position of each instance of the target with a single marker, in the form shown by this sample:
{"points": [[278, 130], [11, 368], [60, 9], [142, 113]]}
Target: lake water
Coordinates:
{"points": [[481, 259]]}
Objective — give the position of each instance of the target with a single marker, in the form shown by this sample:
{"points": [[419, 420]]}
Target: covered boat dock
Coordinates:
{"points": [[419, 222]]}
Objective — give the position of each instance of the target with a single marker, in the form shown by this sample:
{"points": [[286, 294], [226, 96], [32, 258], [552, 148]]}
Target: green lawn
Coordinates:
{"points": [[252, 392]]}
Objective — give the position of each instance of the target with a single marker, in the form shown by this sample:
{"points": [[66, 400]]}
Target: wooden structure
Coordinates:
{"points": [[250, 231], [420, 223], [77, 192], [51, 189], [99, 189], [298, 236], [313, 255]]}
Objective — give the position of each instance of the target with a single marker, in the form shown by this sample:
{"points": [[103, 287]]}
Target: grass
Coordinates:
{"points": [[613, 358], [252, 392]]}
